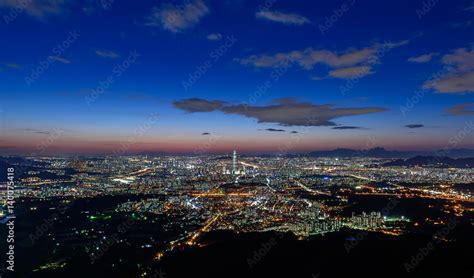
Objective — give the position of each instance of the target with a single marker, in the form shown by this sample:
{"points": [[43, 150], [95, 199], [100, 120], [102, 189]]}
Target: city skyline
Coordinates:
{"points": [[236, 138], [207, 77]]}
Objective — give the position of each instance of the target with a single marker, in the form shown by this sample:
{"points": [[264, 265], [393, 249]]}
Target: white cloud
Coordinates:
{"points": [[316, 77], [462, 83], [106, 54], [462, 109], [59, 59], [461, 58], [470, 8], [12, 65], [214, 37], [350, 72], [38, 9], [285, 18], [425, 58], [285, 112], [462, 24], [460, 76], [265, 61], [363, 58], [176, 18], [309, 57]]}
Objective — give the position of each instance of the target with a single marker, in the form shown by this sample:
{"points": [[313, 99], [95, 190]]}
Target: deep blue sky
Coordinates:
{"points": [[173, 39]]}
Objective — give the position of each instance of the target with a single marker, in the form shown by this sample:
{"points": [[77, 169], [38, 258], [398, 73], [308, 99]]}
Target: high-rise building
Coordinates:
{"points": [[234, 166], [234, 162]]}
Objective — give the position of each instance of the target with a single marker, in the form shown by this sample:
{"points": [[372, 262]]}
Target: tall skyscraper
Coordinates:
{"points": [[234, 162]]}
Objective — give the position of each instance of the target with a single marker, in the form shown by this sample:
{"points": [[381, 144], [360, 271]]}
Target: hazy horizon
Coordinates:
{"points": [[180, 77]]}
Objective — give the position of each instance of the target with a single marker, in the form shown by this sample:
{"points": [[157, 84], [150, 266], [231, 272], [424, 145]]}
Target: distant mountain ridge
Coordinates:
{"points": [[383, 153], [433, 161], [377, 152]]}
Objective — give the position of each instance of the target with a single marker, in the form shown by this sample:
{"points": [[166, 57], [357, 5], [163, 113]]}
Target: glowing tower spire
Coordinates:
{"points": [[234, 162]]}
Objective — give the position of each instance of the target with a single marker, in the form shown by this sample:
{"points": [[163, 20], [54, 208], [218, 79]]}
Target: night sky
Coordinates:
{"points": [[203, 76]]}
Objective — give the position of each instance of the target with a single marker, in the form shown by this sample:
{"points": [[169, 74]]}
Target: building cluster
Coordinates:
{"points": [[304, 195]]}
